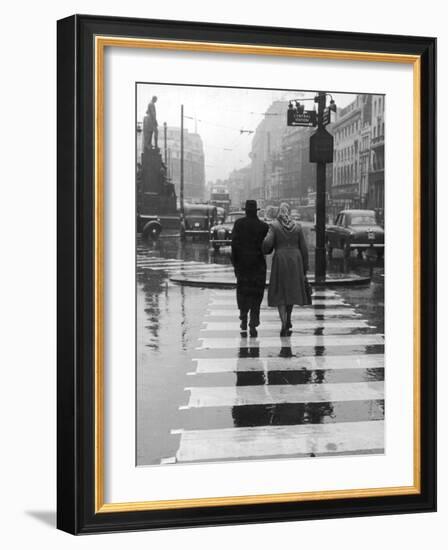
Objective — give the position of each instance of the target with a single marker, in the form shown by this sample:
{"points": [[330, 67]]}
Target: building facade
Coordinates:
{"points": [[297, 173], [358, 166], [375, 198], [194, 165], [266, 146], [238, 184]]}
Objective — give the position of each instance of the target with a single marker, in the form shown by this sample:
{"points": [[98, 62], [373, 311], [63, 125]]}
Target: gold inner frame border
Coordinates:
{"points": [[100, 43]]}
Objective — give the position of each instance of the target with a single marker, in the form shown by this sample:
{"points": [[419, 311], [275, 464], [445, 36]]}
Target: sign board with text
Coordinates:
{"points": [[304, 118]]}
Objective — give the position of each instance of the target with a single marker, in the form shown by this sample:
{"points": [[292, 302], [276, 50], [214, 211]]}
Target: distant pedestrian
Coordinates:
{"points": [[150, 125], [250, 266], [287, 285]]}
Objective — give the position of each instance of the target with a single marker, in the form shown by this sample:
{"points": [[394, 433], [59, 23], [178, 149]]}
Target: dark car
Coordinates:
{"points": [[221, 234], [198, 219], [355, 229], [149, 226]]}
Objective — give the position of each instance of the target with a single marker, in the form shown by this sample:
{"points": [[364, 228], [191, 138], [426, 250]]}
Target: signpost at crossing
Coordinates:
{"points": [[321, 152]]}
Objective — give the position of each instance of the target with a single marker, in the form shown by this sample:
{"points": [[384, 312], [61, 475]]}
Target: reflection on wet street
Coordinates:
{"points": [[205, 393]]}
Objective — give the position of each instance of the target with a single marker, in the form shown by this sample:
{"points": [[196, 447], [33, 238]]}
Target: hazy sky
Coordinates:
{"points": [[220, 115]]}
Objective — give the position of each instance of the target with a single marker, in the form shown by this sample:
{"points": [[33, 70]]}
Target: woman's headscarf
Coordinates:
{"points": [[284, 218]]}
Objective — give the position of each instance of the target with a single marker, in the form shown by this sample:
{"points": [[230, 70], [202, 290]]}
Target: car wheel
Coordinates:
{"points": [[151, 231]]}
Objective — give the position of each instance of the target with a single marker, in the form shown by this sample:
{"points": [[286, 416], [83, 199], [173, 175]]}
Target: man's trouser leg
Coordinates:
{"points": [[243, 305], [255, 310]]}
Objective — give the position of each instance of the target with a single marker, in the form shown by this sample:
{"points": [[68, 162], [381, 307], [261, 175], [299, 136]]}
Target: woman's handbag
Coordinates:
{"points": [[308, 299]]}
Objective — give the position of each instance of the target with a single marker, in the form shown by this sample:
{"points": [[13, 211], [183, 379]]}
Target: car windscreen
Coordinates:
{"points": [[192, 213], [362, 220]]}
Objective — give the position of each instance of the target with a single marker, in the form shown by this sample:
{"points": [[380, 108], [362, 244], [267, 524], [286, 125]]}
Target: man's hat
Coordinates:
{"points": [[251, 206]]}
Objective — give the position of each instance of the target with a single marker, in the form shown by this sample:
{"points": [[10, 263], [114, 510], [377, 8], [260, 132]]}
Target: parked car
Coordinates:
{"points": [[221, 234], [149, 226], [355, 229], [198, 219]]}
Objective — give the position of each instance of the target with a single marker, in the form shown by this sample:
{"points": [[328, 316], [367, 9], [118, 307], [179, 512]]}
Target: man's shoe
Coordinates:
{"points": [[243, 326], [253, 332]]}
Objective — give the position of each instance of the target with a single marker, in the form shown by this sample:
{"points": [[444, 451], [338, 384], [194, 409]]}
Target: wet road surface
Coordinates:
{"points": [[204, 393]]}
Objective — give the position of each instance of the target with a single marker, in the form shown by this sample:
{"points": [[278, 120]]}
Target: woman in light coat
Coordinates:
{"points": [[289, 266]]}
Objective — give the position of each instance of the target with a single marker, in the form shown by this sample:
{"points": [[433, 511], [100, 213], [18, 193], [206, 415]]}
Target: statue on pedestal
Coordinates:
{"points": [[150, 126]]}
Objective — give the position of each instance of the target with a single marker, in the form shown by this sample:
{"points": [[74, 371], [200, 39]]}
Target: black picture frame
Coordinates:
{"points": [[76, 512]]}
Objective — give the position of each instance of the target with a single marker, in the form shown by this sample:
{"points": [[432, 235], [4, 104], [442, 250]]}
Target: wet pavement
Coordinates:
{"points": [[205, 393]]}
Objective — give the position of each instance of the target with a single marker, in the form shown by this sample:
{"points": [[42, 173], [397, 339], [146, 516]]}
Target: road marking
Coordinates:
{"points": [[318, 293], [298, 325], [251, 364], [298, 313], [294, 340], [163, 261], [238, 396], [304, 439], [331, 302], [205, 268]]}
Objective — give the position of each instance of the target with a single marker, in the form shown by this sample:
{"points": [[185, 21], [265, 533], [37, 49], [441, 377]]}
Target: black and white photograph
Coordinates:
{"points": [[259, 273]]}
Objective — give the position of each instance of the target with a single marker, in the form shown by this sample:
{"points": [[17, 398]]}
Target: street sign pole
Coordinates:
{"points": [[182, 161], [164, 144], [320, 263]]}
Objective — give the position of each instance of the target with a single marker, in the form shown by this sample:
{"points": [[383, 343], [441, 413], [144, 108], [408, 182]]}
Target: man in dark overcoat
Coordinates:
{"points": [[250, 266]]}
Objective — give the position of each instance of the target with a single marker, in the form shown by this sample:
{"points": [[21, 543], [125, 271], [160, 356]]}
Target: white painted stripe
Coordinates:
{"points": [[171, 267], [236, 396], [282, 441], [298, 313], [294, 340], [165, 261], [210, 268], [158, 267], [322, 362], [298, 325], [330, 302], [318, 293], [166, 265], [193, 269]]}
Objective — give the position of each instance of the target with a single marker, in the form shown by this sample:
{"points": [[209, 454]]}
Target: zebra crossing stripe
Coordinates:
{"points": [[300, 324], [304, 439], [297, 313], [209, 268], [196, 268], [318, 293], [238, 396], [294, 340], [250, 364], [328, 301], [161, 261]]}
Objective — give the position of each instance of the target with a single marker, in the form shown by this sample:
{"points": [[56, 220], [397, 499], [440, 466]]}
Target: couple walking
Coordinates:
{"points": [[251, 240]]}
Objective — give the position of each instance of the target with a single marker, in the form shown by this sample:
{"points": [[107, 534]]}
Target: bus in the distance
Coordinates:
{"points": [[220, 196]]}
